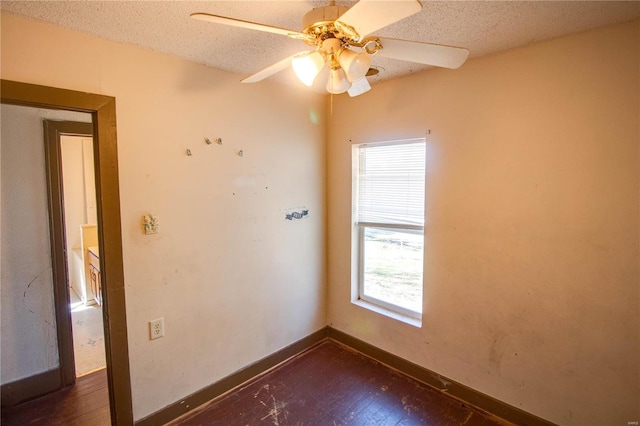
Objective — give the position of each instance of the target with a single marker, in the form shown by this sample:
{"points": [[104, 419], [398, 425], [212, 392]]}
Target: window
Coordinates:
{"points": [[388, 231]]}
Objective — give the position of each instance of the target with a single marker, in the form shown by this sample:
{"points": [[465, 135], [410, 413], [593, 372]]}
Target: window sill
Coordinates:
{"points": [[388, 313]]}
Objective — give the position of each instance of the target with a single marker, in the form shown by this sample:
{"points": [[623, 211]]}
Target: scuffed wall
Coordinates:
{"points": [[531, 234], [28, 342], [233, 279]]}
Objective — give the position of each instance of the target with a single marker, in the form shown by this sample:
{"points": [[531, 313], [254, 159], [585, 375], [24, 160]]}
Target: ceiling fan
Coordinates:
{"points": [[342, 46]]}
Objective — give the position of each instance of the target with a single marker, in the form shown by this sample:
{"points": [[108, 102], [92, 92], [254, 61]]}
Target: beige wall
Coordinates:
{"points": [[531, 237], [232, 278]]}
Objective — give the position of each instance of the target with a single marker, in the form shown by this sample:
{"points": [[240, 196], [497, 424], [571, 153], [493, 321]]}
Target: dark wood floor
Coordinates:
{"points": [[332, 385], [84, 404], [326, 386]]}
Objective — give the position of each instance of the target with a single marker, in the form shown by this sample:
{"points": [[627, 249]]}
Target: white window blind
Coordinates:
{"points": [[391, 184]]}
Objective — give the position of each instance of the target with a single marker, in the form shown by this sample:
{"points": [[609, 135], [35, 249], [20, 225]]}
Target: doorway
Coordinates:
{"points": [[102, 111], [75, 142]]}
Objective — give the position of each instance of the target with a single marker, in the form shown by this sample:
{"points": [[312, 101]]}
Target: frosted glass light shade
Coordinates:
{"points": [[338, 82], [355, 65], [320, 83], [359, 87], [307, 66]]}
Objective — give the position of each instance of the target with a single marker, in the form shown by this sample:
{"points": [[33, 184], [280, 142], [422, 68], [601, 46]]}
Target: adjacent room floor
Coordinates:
{"points": [[88, 336]]}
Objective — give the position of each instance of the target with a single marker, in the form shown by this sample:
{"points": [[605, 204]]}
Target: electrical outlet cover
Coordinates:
{"points": [[156, 328]]}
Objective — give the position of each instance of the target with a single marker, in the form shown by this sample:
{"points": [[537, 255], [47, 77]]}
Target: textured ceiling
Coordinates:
{"points": [[483, 27]]}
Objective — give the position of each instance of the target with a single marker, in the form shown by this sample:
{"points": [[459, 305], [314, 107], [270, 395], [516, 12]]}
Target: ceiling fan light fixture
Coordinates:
{"points": [[320, 83], [307, 66], [359, 87], [354, 64], [343, 42], [338, 81]]}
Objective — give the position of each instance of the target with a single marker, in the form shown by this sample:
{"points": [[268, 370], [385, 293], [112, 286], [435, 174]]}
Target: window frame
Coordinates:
{"points": [[358, 235]]}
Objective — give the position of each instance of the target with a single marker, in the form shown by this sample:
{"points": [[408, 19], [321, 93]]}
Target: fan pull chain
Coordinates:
{"points": [[331, 106]]}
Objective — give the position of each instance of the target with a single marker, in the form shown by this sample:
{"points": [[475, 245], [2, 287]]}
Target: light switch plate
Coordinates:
{"points": [[150, 223]]}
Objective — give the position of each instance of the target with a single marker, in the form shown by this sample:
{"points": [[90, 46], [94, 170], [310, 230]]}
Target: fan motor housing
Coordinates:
{"points": [[322, 15]]}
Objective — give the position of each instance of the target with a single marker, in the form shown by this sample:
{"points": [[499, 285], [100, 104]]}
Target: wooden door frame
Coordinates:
{"points": [[103, 113], [53, 130]]}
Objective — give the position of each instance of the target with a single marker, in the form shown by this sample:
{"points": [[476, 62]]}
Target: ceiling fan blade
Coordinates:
{"points": [[359, 87], [247, 24], [270, 70], [367, 16], [423, 53]]}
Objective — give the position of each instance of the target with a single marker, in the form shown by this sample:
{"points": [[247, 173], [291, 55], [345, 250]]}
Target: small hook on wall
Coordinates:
{"points": [[217, 140]]}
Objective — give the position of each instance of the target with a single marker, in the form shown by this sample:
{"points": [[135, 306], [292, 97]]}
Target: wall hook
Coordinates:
{"points": [[240, 153], [217, 140], [189, 154]]}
